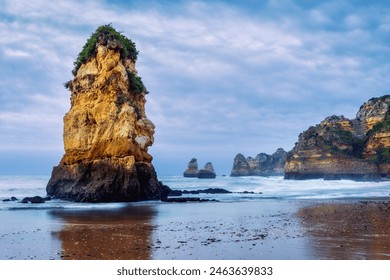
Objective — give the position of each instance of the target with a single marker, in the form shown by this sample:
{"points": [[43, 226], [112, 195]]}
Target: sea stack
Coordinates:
{"points": [[262, 165], [340, 148], [192, 169], [207, 172], [106, 132]]}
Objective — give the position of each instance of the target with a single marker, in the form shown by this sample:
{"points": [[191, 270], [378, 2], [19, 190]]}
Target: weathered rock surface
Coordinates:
{"points": [[339, 148], [106, 132], [262, 165], [192, 169], [207, 172]]}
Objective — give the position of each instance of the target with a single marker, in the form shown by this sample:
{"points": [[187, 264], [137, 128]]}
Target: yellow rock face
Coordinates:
{"points": [[373, 112], [370, 122], [377, 141], [330, 166], [97, 126], [106, 136], [344, 124]]}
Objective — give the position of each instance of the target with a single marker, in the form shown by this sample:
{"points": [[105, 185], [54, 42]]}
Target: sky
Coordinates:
{"points": [[224, 77]]}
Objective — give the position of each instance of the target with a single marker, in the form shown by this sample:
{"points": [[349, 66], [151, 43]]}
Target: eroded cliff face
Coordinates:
{"points": [[106, 133], [262, 165], [341, 148]]}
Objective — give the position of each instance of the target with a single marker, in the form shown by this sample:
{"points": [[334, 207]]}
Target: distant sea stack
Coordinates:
{"points": [[192, 169], [262, 165], [207, 172], [340, 148], [106, 132]]}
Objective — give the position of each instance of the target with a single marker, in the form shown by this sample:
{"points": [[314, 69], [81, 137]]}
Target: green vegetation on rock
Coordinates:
{"points": [[382, 155], [106, 35], [135, 83], [345, 136], [381, 126], [122, 99]]}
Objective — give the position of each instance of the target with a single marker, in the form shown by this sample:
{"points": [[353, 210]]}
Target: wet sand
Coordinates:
{"points": [[120, 234], [345, 230], [237, 230], [27, 235], [76, 234], [268, 229]]}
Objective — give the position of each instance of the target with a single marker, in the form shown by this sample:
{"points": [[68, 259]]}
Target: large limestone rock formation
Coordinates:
{"points": [[341, 148], [192, 169], [106, 131], [262, 165]]}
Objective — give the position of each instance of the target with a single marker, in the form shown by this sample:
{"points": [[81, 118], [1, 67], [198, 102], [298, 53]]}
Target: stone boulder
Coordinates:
{"points": [[10, 199], [35, 199]]}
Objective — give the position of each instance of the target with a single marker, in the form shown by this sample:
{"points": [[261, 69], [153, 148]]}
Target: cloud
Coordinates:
{"points": [[15, 53], [223, 77], [319, 17]]}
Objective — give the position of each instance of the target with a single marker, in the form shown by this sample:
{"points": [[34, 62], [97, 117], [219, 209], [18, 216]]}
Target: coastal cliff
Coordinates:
{"points": [[340, 148], [262, 165], [106, 132]]}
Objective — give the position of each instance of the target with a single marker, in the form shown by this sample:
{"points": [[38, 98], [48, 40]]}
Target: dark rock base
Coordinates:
{"points": [[206, 174], [102, 181], [190, 175], [35, 199]]}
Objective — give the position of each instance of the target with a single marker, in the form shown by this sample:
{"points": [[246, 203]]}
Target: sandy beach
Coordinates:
{"points": [[348, 230], [269, 229]]}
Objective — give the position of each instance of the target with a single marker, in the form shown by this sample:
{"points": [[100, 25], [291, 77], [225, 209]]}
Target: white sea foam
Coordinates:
{"points": [[263, 188], [22, 186], [286, 189]]}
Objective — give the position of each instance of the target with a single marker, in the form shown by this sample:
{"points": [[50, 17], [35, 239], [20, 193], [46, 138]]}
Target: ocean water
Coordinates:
{"points": [[273, 188], [278, 188]]}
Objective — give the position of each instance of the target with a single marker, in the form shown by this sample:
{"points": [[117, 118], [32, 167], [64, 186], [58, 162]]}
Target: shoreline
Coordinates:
{"points": [[262, 229]]}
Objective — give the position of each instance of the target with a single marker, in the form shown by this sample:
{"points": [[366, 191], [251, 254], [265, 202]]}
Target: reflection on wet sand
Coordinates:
{"points": [[353, 230], [114, 234]]}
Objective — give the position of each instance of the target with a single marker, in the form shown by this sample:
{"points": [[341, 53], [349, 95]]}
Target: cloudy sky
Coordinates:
{"points": [[224, 76]]}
